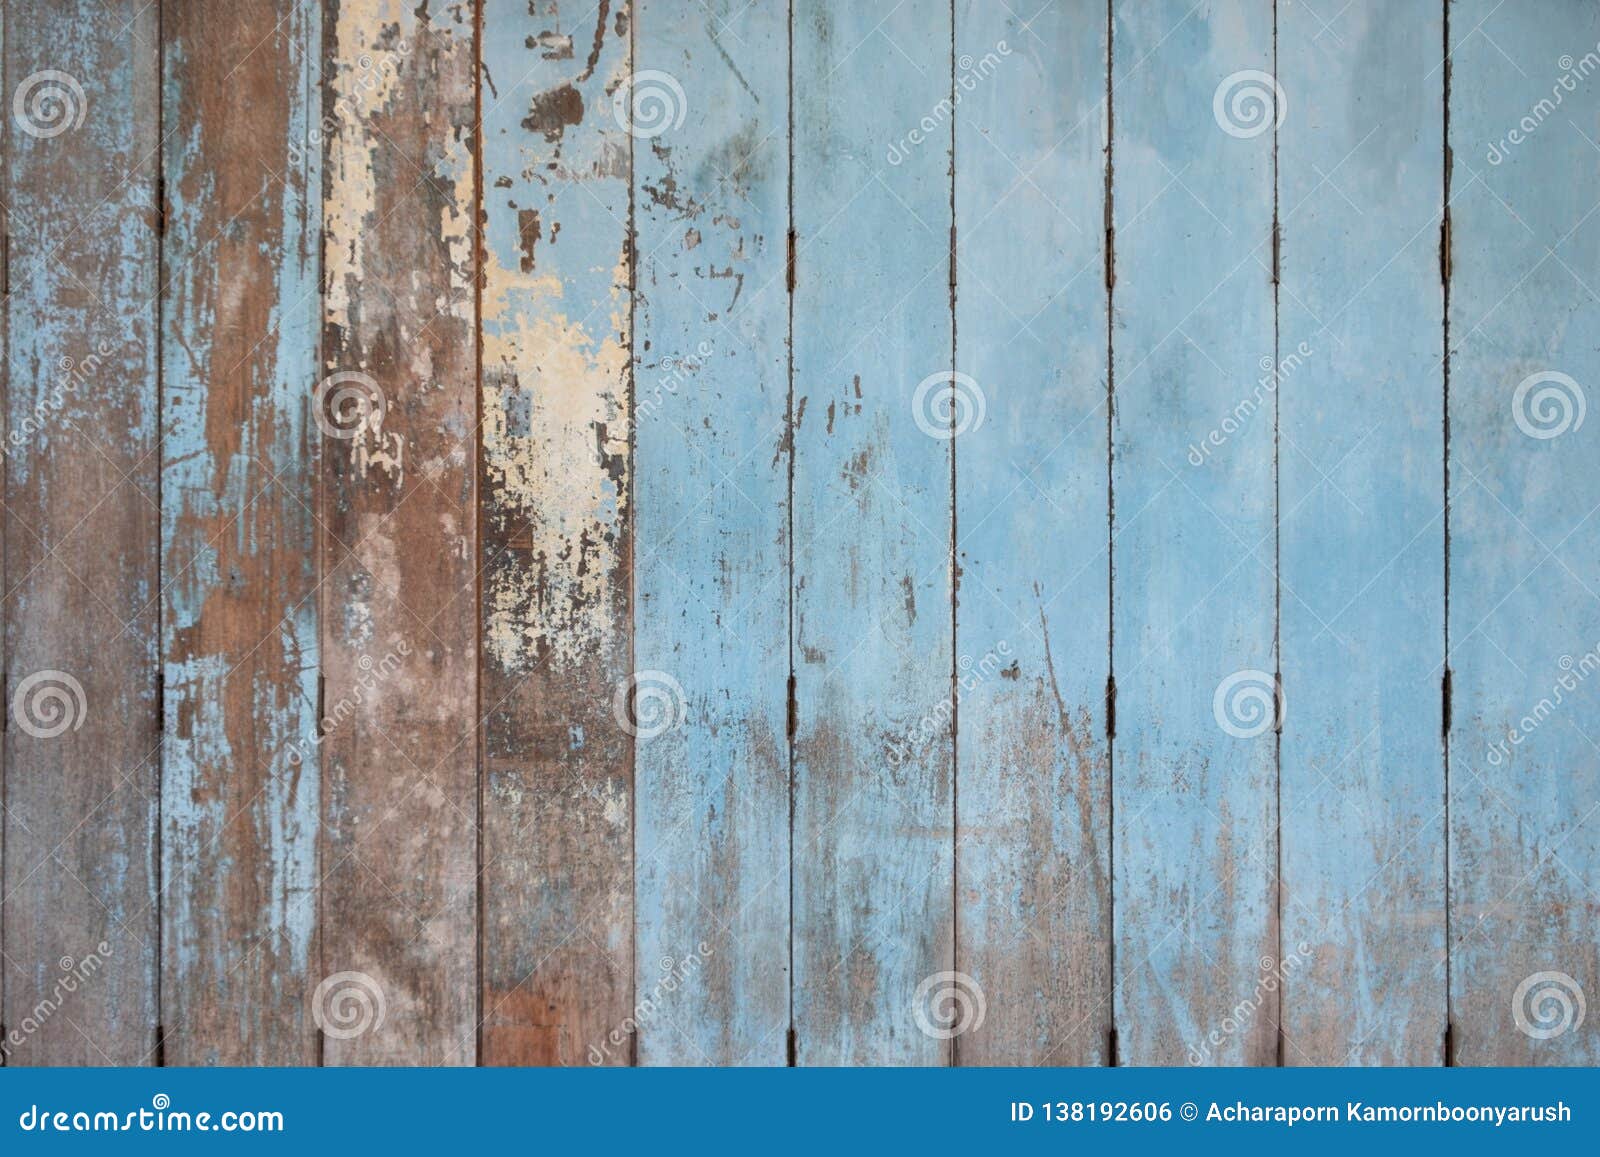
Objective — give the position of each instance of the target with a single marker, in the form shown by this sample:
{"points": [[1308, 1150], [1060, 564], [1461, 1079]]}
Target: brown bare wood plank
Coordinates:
{"points": [[399, 634]]}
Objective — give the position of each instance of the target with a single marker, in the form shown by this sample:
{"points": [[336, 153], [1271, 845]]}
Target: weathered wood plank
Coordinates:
{"points": [[710, 182], [81, 534], [1195, 853], [557, 873], [399, 894], [1524, 543], [240, 320], [1033, 862], [1360, 392], [873, 803]]}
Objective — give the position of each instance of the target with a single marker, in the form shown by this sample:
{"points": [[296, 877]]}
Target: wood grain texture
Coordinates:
{"points": [[873, 806], [1360, 391], [240, 321], [1195, 850], [557, 874], [81, 535], [1524, 612], [711, 509], [1033, 857], [400, 625], [632, 532]]}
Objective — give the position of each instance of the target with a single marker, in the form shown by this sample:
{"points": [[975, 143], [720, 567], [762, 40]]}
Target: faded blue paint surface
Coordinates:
{"points": [[967, 818], [1524, 576], [81, 532], [872, 512], [241, 320], [556, 318], [711, 502], [1360, 391], [1033, 866], [1195, 848]]}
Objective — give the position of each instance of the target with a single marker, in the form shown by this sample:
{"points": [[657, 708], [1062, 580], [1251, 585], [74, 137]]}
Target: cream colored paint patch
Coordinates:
{"points": [[363, 83], [572, 376]]}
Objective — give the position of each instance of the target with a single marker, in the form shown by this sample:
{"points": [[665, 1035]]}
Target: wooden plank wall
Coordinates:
{"points": [[644, 533]]}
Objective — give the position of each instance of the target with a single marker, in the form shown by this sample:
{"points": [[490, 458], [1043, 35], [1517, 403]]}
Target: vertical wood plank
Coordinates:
{"points": [[399, 899], [240, 318], [1524, 581], [1033, 864], [711, 184], [1360, 391], [1195, 853], [81, 534], [557, 876], [872, 595]]}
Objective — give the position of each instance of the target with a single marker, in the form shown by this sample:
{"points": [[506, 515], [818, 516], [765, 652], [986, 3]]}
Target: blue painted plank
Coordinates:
{"points": [[873, 920], [81, 535], [1195, 850], [1360, 392], [711, 506], [1033, 855], [1524, 616], [557, 873], [240, 323], [400, 623]]}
